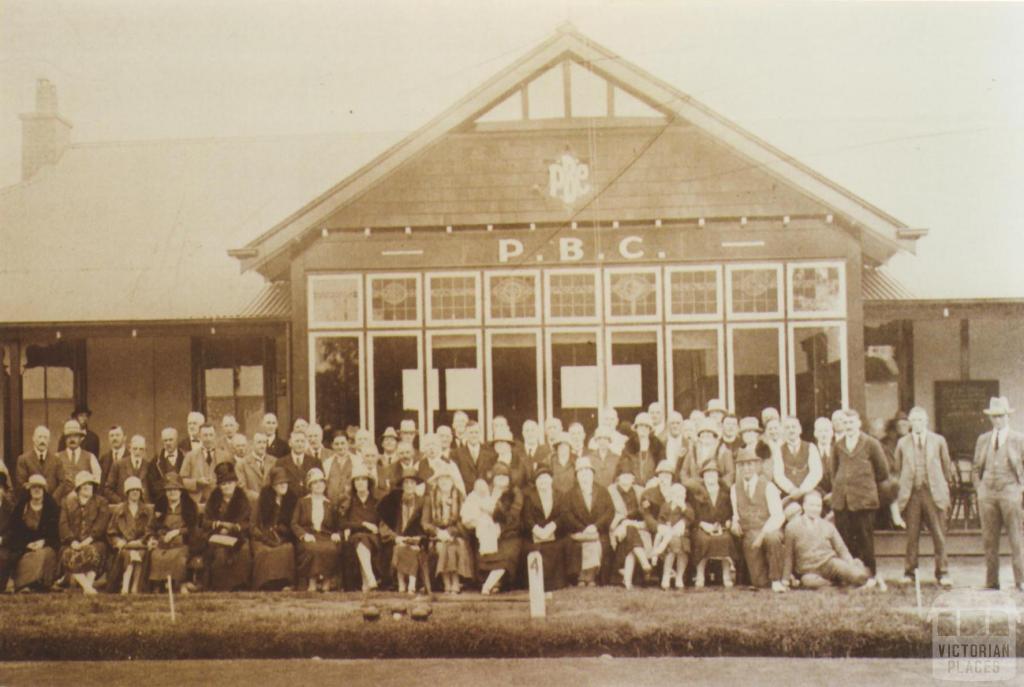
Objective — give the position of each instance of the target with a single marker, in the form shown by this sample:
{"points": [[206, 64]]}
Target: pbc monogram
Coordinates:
{"points": [[568, 178]]}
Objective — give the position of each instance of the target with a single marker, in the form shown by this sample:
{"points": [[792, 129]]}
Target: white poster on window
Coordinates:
{"points": [[412, 389], [625, 386], [579, 386], [463, 388]]}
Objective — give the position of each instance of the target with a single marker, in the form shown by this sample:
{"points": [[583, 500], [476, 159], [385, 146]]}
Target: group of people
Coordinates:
{"points": [[663, 500]]}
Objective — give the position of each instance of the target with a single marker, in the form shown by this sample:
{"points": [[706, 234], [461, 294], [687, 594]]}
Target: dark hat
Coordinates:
{"points": [[225, 472], [710, 466], [762, 450], [542, 469], [172, 480], [626, 468], [278, 475], [410, 472], [81, 409], [745, 455], [501, 469]]}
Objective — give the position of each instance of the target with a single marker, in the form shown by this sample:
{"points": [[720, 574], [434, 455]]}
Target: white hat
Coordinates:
{"points": [[603, 433], [998, 405], [407, 426], [73, 427], [132, 483], [36, 480], [85, 477], [315, 475], [583, 463], [503, 434], [643, 419]]}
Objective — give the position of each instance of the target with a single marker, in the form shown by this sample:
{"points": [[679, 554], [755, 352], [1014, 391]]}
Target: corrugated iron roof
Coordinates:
{"points": [[140, 231], [878, 285], [272, 303]]}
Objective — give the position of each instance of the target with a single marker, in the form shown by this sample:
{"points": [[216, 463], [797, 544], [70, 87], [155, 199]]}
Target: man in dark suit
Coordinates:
{"points": [[474, 457], [860, 480], [999, 476], [134, 464], [170, 459], [38, 460], [298, 462], [534, 453], [276, 446], [190, 442], [90, 440], [118, 450]]}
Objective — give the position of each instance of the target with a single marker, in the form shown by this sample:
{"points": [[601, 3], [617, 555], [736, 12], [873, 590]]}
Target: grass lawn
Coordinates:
{"points": [[587, 622]]}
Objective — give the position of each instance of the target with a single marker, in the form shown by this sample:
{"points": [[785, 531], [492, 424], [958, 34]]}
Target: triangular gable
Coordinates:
{"points": [[882, 234]]}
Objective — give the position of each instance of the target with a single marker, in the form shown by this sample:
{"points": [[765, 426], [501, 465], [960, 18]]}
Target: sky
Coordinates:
{"points": [[917, 107]]}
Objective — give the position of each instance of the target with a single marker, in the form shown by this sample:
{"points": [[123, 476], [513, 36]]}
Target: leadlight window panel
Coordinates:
{"points": [[573, 295], [335, 299], [453, 298], [633, 294], [513, 296], [817, 289], [394, 299], [755, 291], [694, 292]]}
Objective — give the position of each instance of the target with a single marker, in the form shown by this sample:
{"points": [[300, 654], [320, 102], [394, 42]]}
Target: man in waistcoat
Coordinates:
{"points": [[757, 523], [999, 477], [797, 466], [925, 476]]}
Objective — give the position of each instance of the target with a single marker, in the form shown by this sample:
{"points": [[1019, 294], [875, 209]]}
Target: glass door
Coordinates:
{"points": [[514, 376], [395, 381], [455, 381], [633, 371], [575, 375]]}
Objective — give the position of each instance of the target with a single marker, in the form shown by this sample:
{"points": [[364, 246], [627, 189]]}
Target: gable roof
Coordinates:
{"points": [[139, 231], [881, 234]]}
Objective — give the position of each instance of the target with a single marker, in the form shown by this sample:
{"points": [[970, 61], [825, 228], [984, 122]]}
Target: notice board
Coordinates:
{"points": [[959, 415]]}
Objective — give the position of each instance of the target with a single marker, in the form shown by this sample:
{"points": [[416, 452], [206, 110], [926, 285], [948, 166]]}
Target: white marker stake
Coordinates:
{"points": [[917, 590], [170, 595], [535, 569]]}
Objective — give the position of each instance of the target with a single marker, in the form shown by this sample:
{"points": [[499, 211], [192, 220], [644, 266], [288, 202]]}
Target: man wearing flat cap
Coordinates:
{"points": [[999, 476]]}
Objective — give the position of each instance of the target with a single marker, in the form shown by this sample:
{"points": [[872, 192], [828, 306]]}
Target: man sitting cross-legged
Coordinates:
{"points": [[815, 552]]}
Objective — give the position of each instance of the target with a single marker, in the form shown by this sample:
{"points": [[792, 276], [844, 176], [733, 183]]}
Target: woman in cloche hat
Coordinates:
{"points": [[175, 530], [83, 532], [226, 524], [317, 528], [273, 553]]}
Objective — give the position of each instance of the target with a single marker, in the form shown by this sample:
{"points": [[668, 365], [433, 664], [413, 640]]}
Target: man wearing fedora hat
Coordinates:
{"points": [[74, 459], [90, 440], [999, 474]]}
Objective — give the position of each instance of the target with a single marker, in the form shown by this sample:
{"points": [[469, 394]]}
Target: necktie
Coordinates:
{"points": [[209, 457], [997, 441], [919, 441], [42, 458]]}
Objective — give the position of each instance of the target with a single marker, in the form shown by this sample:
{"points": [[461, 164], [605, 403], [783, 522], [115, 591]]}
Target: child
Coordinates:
{"points": [[476, 514], [673, 518]]}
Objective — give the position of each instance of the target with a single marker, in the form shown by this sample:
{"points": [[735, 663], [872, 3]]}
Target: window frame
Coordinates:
{"points": [[844, 362], [363, 391], [370, 410], [610, 332], [549, 376], [489, 334], [716, 316], [326, 324], [778, 314], [719, 329], [538, 297], [780, 328], [393, 324], [818, 314], [432, 321], [557, 320], [477, 335], [607, 275]]}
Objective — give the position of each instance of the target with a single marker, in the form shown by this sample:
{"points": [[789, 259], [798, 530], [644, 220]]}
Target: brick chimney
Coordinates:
{"points": [[44, 133]]}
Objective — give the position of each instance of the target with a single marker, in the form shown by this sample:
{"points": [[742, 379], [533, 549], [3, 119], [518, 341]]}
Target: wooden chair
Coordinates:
{"points": [[963, 496]]}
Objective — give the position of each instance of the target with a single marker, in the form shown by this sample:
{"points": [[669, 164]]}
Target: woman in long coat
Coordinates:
{"points": [[83, 532], [643, 451], [227, 559], [588, 515], [35, 537], [175, 532], [316, 527], [630, 538], [563, 465], [362, 522], [713, 516], [543, 515], [507, 515], [442, 523], [401, 513], [273, 550], [128, 532]]}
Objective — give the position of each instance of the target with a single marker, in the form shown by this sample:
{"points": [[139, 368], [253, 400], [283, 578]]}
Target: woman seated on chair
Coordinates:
{"points": [[316, 527], [273, 550], [630, 539], [83, 532], [543, 528], [362, 523], [506, 503], [442, 523], [713, 515], [226, 522], [129, 534], [401, 513], [175, 532], [35, 538]]}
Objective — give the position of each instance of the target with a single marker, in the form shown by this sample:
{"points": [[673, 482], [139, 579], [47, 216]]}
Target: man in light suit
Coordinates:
{"points": [[999, 476], [197, 468], [254, 469], [925, 475]]}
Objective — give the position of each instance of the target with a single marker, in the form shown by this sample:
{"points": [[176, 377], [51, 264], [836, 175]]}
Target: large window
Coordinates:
{"points": [[514, 375], [48, 386], [395, 381], [455, 379], [695, 368], [817, 289], [817, 369], [633, 294], [575, 375], [694, 293], [754, 291], [233, 379], [756, 364], [573, 295], [634, 370], [513, 297]]}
